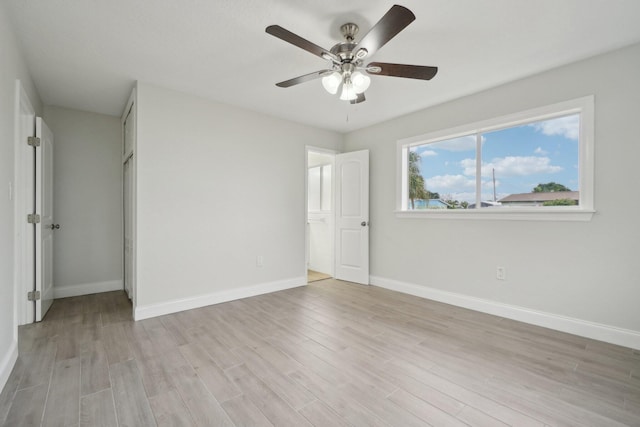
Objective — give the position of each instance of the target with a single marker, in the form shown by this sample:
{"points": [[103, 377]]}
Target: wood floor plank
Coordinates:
{"points": [[349, 409], [170, 410], [244, 413], [94, 368], [63, 400], [10, 388], [155, 375], [424, 410], [132, 405], [277, 411], [319, 414], [472, 416], [40, 361], [203, 407], [221, 354], [98, 410], [385, 409], [211, 375], [295, 395], [27, 407], [161, 339], [115, 343]]}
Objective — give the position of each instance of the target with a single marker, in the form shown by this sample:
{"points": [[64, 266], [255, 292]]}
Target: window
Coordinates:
{"points": [[536, 164]]}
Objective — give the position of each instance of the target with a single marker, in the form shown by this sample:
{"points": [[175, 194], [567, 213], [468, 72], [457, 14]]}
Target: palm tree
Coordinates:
{"points": [[417, 188]]}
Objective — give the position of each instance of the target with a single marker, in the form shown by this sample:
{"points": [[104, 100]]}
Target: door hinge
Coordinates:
{"points": [[33, 141], [33, 296], [33, 218]]}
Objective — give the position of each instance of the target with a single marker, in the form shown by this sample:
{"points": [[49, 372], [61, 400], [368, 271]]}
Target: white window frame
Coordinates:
{"points": [[583, 212]]}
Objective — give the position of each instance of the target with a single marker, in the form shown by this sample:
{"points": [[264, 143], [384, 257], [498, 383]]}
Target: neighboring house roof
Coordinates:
{"points": [[541, 197]]}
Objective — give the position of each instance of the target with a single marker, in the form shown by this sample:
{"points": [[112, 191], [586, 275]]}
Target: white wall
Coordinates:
{"points": [[217, 187], [87, 201], [581, 270], [12, 67]]}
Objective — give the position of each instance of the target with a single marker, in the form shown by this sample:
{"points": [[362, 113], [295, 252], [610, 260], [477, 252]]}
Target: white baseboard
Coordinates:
{"points": [[86, 288], [174, 306], [7, 363], [583, 328]]}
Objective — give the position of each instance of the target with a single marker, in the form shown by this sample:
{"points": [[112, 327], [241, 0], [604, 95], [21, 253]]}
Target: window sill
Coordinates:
{"points": [[509, 214]]}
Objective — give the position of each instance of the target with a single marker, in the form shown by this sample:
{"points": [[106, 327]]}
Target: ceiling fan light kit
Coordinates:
{"points": [[347, 70]]}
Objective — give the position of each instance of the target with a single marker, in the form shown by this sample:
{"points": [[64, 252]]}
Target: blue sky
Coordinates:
{"points": [[522, 157]]}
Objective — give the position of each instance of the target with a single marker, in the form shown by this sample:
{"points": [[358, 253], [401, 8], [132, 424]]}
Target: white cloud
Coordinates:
{"points": [[511, 166], [540, 151], [443, 183], [469, 166], [569, 127], [427, 153], [489, 183]]}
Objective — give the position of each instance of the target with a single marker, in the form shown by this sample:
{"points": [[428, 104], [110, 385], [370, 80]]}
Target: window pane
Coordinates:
{"points": [[532, 165], [442, 174]]}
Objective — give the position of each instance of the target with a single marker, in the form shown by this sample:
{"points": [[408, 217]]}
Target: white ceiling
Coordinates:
{"points": [[87, 54]]}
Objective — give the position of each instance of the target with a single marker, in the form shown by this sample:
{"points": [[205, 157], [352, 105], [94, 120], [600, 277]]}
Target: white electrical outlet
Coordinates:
{"points": [[259, 261], [501, 273]]}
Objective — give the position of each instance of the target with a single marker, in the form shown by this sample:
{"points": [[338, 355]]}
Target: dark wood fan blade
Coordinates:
{"points": [[296, 40], [305, 78], [394, 21], [359, 99], [402, 70]]}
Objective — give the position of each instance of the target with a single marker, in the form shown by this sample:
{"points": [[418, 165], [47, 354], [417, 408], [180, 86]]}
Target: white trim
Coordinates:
{"points": [[142, 312], [86, 289], [556, 213], [583, 328], [7, 363]]}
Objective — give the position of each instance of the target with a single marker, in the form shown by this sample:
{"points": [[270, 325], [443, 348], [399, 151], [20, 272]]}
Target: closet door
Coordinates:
{"points": [[128, 202]]}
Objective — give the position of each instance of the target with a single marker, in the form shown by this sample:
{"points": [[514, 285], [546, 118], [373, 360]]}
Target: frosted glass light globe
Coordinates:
{"points": [[360, 82], [332, 82]]}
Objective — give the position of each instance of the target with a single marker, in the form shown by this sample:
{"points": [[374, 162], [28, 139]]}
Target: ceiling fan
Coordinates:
{"points": [[346, 59]]}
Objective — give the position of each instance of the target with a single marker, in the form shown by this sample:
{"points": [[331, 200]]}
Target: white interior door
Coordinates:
{"points": [[352, 216], [45, 227], [129, 174], [128, 238], [25, 205]]}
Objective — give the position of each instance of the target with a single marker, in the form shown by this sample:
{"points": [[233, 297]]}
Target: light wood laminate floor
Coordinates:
{"points": [[314, 276], [327, 354]]}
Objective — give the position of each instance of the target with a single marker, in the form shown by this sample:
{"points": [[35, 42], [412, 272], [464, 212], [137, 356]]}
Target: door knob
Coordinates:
{"points": [[363, 223], [55, 226]]}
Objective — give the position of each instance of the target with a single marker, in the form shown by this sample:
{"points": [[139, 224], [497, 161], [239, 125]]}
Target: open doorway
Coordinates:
{"points": [[320, 214]]}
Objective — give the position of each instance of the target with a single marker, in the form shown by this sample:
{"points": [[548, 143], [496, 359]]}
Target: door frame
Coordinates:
{"points": [[24, 197], [129, 155], [333, 153], [44, 206]]}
